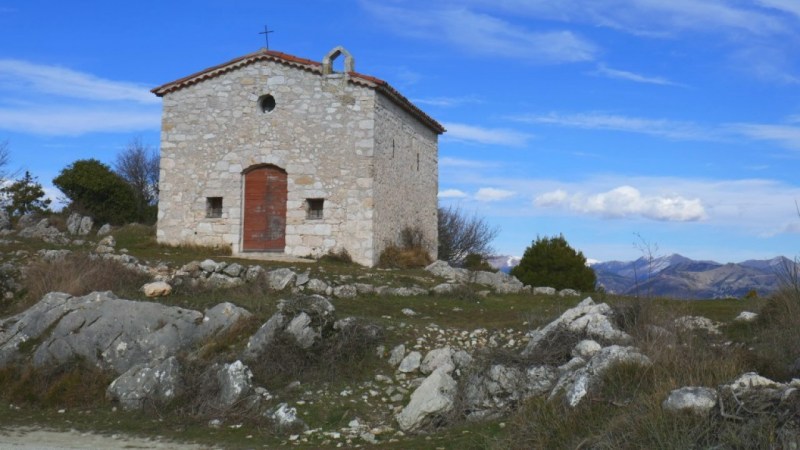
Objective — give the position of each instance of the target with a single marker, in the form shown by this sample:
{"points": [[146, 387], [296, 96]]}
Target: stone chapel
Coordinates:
{"points": [[274, 153]]}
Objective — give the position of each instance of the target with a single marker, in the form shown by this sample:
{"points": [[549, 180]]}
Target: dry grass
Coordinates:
{"points": [[78, 274], [70, 385], [394, 257]]}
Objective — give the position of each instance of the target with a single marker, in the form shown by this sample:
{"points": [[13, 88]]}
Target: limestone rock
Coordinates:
{"points": [[279, 279], [443, 289], [235, 383], [397, 354], [502, 283], [752, 380], [746, 316], [266, 334], [586, 349], [444, 270], [112, 333], [253, 273], [410, 363], [104, 230], [575, 385], [300, 328], [233, 270], [285, 417], [317, 286], [85, 226], [73, 223], [544, 291], [699, 400], [499, 387], [156, 381], [431, 399], [345, 291], [439, 358], [157, 289], [587, 319], [695, 323], [568, 293], [208, 265]]}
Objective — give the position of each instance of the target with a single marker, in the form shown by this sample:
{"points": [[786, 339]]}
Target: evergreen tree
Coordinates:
{"points": [[552, 262], [24, 196], [94, 189]]}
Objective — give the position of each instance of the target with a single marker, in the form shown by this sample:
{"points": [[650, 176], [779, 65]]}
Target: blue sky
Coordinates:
{"points": [[675, 120]]}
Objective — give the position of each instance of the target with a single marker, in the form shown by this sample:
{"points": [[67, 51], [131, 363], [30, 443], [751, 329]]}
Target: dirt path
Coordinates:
{"points": [[19, 438]]}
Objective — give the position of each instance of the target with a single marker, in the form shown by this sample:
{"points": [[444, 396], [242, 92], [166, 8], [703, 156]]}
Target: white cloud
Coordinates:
{"points": [[489, 136], [52, 100], [493, 194], [74, 121], [452, 193], [630, 76], [447, 102], [627, 201], [483, 34], [651, 17], [601, 121], [785, 135], [63, 82], [465, 163], [789, 6]]}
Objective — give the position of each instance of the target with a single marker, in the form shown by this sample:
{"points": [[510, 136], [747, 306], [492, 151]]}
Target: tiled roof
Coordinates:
{"points": [[303, 64]]}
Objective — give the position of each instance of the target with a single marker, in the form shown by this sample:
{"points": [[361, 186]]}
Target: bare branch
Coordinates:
{"points": [[461, 235]]}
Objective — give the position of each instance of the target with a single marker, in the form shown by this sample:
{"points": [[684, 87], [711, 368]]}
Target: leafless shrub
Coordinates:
{"points": [[345, 353], [338, 256], [461, 235]]}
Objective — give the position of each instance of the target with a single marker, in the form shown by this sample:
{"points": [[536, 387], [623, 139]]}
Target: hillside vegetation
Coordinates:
{"points": [[347, 393]]}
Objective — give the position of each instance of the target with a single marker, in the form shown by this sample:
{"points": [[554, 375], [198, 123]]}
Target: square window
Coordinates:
{"points": [[314, 208], [213, 207]]}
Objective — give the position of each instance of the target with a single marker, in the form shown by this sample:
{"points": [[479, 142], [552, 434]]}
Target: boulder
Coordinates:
{"points": [[544, 291], [576, 384], [345, 291], [436, 359], [253, 273], [433, 398], [157, 289], [42, 230], [27, 220], [443, 289], [698, 400], [587, 320], [410, 363], [208, 266], [158, 381], [304, 318], [397, 354], [233, 270], [279, 279], [104, 230], [317, 286], [85, 226], [285, 418], [499, 387], [235, 384], [501, 282], [698, 323], [73, 223], [568, 293], [746, 317], [112, 333], [452, 274]]}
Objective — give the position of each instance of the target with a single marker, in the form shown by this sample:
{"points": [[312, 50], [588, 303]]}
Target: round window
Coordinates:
{"points": [[266, 103]]}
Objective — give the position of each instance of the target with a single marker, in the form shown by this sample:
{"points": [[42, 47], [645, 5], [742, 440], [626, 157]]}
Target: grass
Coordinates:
{"points": [[625, 413]]}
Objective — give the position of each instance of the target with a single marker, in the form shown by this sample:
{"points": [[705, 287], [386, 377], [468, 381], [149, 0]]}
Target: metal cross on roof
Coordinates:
{"points": [[266, 33]]}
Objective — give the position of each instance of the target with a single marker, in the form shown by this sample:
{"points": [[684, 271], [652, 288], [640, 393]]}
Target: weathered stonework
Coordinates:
{"points": [[349, 139]]}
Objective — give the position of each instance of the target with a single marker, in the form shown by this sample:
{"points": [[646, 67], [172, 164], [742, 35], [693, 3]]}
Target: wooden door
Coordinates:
{"points": [[264, 210]]}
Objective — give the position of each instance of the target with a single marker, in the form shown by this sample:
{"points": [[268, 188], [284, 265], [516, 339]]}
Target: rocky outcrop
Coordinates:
{"points": [[430, 401], [158, 382], [42, 230], [78, 225], [109, 332]]}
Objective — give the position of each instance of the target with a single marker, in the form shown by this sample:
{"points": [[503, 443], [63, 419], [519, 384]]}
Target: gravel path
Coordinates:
{"points": [[39, 439]]}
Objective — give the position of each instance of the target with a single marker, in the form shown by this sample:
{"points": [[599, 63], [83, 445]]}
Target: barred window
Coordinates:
{"points": [[314, 210], [213, 207]]}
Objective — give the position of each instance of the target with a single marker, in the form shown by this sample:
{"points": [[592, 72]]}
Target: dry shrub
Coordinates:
{"points": [[777, 346], [341, 256], [394, 257], [79, 274], [69, 385], [344, 354]]}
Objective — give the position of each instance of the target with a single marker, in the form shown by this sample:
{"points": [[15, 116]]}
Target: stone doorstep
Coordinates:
{"points": [[270, 256]]}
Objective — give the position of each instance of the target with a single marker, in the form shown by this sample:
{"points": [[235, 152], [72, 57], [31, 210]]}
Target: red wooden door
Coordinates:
{"points": [[264, 210]]}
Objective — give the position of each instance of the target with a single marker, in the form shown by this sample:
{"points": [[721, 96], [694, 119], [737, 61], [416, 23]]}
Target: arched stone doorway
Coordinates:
{"points": [[264, 227]]}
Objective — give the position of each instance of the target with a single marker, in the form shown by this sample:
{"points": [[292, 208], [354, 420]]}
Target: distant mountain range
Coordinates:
{"points": [[676, 276]]}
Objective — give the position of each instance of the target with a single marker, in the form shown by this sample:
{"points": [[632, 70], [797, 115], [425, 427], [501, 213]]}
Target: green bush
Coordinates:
{"points": [[94, 189], [552, 262], [24, 196]]}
